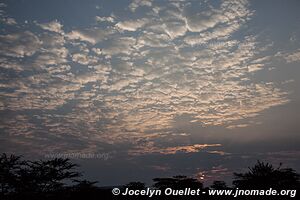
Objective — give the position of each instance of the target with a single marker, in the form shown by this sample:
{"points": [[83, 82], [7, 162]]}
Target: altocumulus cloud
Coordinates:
{"points": [[125, 80]]}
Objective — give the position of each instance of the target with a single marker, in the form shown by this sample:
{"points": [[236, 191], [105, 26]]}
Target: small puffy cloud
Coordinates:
{"points": [[289, 57], [139, 3], [92, 36], [173, 22], [121, 84], [2, 5], [104, 19], [52, 51], [219, 33], [138, 72], [10, 21], [228, 13], [175, 28], [52, 40], [54, 26], [83, 59], [131, 25], [10, 64], [119, 45], [4, 18], [56, 56], [200, 21], [153, 40], [97, 51], [255, 67], [293, 57], [19, 44]]}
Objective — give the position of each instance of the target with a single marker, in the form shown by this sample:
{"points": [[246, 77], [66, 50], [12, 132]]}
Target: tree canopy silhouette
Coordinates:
{"points": [[25, 178], [264, 176], [10, 168], [58, 179]]}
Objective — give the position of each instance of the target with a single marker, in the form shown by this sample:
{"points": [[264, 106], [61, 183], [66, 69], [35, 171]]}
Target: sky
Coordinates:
{"points": [[134, 90]]}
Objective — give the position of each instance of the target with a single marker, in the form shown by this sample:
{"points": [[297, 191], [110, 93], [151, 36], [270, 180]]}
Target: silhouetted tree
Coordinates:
{"points": [[33, 178], [48, 180], [46, 176], [264, 175], [10, 167]]}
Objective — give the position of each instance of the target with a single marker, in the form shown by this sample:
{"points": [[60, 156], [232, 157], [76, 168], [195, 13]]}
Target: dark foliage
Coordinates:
{"points": [[264, 175], [31, 179], [59, 179], [135, 186]]}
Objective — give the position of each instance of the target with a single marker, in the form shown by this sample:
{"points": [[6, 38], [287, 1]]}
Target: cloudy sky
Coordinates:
{"points": [[164, 87]]}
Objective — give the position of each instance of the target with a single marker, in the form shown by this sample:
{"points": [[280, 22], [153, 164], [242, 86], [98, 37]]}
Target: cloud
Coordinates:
{"points": [[50, 40], [219, 33], [56, 57], [19, 44], [175, 28], [83, 59], [150, 149], [4, 18], [54, 26], [139, 3], [138, 72], [222, 153], [51, 52], [121, 45], [173, 21], [228, 12], [237, 126], [153, 40], [92, 36], [293, 57], [132, 25], [188, 149], [9, 21], [10, 64], [121, 84], [104, 19], [197, 22], [134, 80], [255, 67]]}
